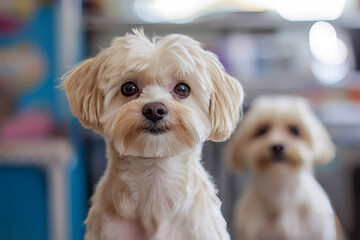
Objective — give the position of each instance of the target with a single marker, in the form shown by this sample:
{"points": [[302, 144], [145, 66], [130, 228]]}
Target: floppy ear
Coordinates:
{"points": [[320, 140], [323, 147], [233, 152], [83, 93], [225, 101]]}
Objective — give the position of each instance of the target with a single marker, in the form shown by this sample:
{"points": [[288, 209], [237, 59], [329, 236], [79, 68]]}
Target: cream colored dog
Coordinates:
{"points": [[155, 103], [280, 140]]}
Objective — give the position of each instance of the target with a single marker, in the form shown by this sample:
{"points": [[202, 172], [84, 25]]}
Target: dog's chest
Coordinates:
{"points": [[301, 214], [294, 223]]}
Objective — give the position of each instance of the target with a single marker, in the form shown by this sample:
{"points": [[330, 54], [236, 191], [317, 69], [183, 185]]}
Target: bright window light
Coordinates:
{"points": [[309, 10], [252, 5], [186, 10], [328, 74], [330, 65], [325, 45]]}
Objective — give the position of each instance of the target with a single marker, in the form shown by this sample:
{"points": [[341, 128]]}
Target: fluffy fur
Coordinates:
{"points": [[154, 186], [283, 200]]}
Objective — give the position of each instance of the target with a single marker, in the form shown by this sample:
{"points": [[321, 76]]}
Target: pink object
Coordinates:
{"points": [[26, 126]]}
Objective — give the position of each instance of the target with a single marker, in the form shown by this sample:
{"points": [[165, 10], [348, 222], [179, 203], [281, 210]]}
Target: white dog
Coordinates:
{"points": [[155, 103], [280, 140]]}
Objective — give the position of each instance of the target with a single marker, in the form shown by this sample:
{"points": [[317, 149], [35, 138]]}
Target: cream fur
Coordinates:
{"points": [[154, 186], [283, 200]]}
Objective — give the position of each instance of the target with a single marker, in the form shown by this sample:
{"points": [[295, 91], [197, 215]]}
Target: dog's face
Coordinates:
{"points": [[280, 133], [155, 98]]}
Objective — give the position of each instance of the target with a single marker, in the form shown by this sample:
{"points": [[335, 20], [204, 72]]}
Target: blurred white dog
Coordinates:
{"points": [[280, 140], [155, 103]]}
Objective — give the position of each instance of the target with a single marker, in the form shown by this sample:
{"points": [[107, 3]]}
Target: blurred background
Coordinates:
{"points": [[49, 164]]}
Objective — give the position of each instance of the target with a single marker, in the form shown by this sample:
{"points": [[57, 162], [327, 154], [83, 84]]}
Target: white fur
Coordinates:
{"points": [[283, 200], [154, 186]]}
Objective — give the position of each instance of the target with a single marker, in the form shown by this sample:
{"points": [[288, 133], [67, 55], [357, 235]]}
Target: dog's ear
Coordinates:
{"points": [[225, 101], [320, 140], [323, 147], [83, 93], [234, 152]]}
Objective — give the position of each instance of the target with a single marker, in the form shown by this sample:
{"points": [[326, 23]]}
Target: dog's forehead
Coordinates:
{"points": [[138, 52], [172, 58], [275, 109]]}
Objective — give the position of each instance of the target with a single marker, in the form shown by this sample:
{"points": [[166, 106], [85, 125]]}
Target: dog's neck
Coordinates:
{"points": [[151, 187], [279, 190], [140, 163]]}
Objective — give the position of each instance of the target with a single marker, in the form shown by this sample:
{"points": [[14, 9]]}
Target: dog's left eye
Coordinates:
{"points": [[182, 90], [128, 89], [294, 130]]}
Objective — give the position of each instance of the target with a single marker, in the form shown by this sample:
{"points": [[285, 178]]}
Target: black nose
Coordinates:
{"points": [[277, 150], [154, 111]]}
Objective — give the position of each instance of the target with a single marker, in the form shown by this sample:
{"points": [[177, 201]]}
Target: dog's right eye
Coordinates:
{"points": [[262, 131], [128, 89]]}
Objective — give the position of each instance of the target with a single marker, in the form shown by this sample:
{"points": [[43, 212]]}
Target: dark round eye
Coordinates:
{"points": [[182, 90], [262, 131], [128, 89], [294, 130]]}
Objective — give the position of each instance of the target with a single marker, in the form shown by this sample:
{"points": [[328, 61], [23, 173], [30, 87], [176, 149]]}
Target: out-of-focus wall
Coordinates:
{"points": [[43, 189]]}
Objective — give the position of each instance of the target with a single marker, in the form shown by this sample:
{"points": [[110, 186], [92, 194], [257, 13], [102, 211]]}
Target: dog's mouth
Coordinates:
{"points": [[279, 159], [264, 163], [156, 129], [286, 160]]}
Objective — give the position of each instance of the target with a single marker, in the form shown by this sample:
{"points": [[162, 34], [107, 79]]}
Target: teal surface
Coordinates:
{"points": [[77, 192], [23, 204]]}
